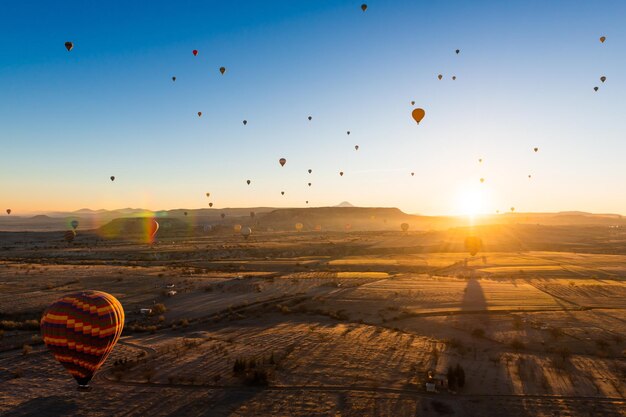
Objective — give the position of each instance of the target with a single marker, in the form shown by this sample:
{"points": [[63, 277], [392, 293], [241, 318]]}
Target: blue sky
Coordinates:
{"points": [[525, 78]]}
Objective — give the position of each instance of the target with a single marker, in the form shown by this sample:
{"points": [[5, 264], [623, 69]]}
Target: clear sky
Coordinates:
{"points": [[525, 78]]}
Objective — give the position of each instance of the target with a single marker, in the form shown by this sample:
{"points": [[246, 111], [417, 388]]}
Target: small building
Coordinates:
{"points": [[145, 311], [170, 285], [171, 293]]}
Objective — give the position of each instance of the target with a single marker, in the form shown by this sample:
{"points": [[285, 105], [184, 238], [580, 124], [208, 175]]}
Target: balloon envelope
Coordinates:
{"points": [[404, 227], [69, 46], [418, 115], [473, 244], [112, 178], [364, 7], [8, 211], [282, 162], [81, 330], [194, 52], [74, 224], [246, 232], [222, 70]]}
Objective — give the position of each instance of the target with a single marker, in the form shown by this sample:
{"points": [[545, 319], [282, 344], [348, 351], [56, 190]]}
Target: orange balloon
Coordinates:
{"points": [[418, 115]]}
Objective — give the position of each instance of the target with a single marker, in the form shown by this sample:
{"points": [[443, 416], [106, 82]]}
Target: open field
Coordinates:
{"points": [[341, 324]]}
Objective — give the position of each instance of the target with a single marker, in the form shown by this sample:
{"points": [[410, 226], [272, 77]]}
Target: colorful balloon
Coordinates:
{"points": [[453, 77], [173, 78], [199, 114], [418, 115], [309, 184], [412, 103], [412, 174], [473, 244], [310, 170], [440, 77], [595, 88], [602, 39], [364, 7], [299, 226], [246, 232], [81, 330], [195, 52], [603, 78], [341, 173], [310, 118], [535, 149], [404, 227], [282, 193], [210, 204], [457, 51], [112, 177], [482, 180], [248, 182], [348, 132], [8, 211], [282, 162], [223, 215], [74, 224], [356, 147], [69, 46], [185, 213], [208, 194], [223, 70], [237, 228], [245, 122]]}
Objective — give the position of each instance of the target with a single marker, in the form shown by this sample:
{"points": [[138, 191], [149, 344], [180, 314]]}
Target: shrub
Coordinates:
{"points": [[517, 344], [159, 308]]}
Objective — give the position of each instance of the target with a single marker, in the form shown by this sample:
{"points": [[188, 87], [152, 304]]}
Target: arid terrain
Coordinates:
{"points": [[327, 323]]}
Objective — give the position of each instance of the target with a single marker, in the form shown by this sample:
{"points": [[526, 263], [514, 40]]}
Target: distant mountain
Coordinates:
{"points": [[344, 204]]}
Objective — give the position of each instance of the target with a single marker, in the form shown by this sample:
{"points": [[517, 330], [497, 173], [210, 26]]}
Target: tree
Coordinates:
{"points": [[451, 378], [460, 375]]}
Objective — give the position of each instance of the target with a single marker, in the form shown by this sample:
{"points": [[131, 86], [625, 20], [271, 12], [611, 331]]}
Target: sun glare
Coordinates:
{"points": [[471, 201]]}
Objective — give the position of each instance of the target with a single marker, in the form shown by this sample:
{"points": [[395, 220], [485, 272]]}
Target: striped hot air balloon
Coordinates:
{"points": [[81, 330]]}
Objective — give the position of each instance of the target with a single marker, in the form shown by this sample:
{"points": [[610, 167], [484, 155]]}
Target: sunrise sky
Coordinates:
{"points": [[525, 79]]}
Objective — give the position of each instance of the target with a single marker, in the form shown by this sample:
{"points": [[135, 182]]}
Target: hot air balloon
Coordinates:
{"points": [[81, 330], [529, 175], [457, 51], [341, 173], [223, 215], [512, 209], [480, 160], [356, 147], [208, 194], [282, 162], [348, 226], [8, 211], [307, 202], [252, 214], [440, 77], [223, 70], [535, 149], [153, 228], [194, 52], [453, 77], [412, 174], [173, 78], [299, 226], [595, 88], [237, 228], [69, 236], [348, 132], [310, 170], [309, 184], [482, 180], [412, 103], [282, 193], [69, 46], [310, 118], [603, 78], [602, 39], [74, 224], [112, 178], [364, 7], [404, 227], [246, 232], [245, 122], [199, 114], [210, 204], [418, 115], [473, 244], [248, 182], [185, 213]]}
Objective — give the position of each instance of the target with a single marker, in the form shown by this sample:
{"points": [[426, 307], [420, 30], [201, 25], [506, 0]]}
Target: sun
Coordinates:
{"points": [[471, 201]]}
